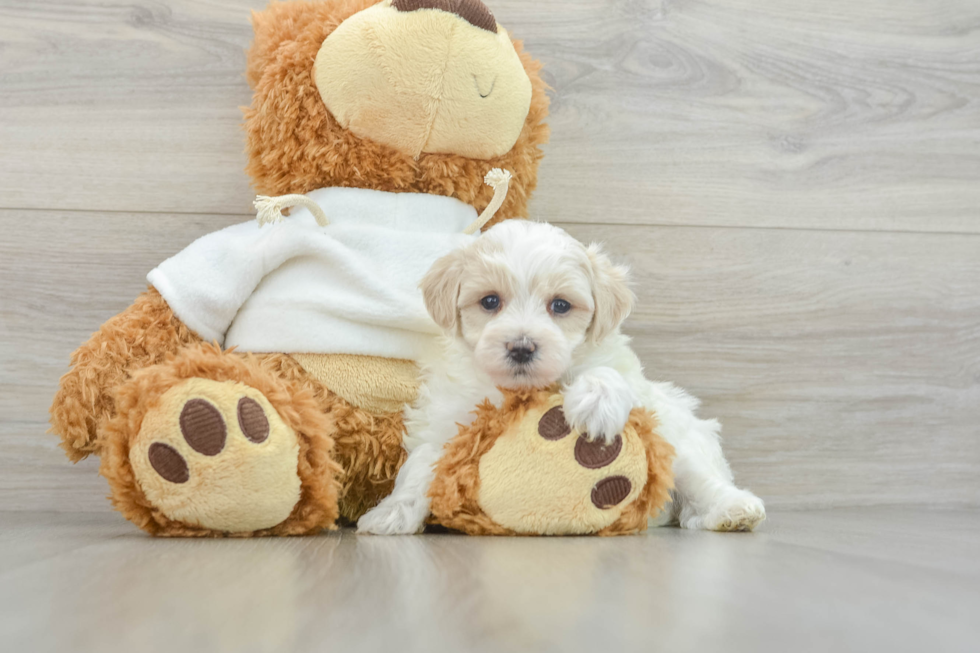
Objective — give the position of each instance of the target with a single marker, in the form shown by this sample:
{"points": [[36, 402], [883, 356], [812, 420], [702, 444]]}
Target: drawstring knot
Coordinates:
{"points": [[269, 209]]}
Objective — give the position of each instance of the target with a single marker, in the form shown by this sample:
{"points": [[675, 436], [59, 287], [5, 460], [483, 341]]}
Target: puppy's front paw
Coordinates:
{"points": [[598, 404], [395, 516]]}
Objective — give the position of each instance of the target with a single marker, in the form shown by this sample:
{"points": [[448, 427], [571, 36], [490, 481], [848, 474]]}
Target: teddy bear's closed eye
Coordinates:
{"points": [[482, 84]]}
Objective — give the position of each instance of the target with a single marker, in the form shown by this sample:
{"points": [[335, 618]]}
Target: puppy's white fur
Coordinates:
{"points": [[528, 266]]}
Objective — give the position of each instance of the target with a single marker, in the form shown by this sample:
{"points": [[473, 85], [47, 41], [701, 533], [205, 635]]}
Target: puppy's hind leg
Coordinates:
{"points": [[706, 496], [403, 512]]}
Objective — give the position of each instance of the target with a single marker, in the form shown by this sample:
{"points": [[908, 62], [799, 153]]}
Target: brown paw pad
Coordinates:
{"points": [[552, 425], [596, 453], [611, 491], [168, 463], [203, 427], [252, 420]]}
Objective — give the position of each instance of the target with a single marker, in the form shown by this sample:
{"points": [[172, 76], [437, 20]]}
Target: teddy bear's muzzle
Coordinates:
{"points": [[426, 76]]}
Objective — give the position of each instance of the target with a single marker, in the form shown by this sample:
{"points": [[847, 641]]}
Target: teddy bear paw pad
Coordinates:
{"points": [[536, 479], [168, 463], [611, 491], [203, 427], [595, 454], [552, 425], [215, 454]]}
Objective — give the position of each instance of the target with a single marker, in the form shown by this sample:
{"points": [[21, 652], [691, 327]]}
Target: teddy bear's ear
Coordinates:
{"points": [[285, 22], [273, 26]]}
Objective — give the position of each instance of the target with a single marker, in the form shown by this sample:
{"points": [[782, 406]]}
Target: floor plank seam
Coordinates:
{"points": [[565, 223]]}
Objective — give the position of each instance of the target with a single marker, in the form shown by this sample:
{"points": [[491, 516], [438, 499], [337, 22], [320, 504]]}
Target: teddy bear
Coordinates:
{"points": [[256, 387]]}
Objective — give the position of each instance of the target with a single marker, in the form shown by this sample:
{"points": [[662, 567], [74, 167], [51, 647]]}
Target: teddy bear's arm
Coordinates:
{"points": [[143, 334]]}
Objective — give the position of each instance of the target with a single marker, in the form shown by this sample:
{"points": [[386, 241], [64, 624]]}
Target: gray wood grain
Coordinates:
{"points": [[845, 366], [114, 105], [831, 114], [849, 580]]}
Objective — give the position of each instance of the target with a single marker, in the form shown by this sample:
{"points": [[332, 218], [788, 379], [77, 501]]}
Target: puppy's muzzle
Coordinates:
{"points": [[521, 351]]}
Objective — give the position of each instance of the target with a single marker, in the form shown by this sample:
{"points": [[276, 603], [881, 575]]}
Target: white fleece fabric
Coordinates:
{"points": [[296, 287]]}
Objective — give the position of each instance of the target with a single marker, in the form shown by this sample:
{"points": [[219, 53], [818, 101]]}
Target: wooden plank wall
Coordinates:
{"points": [[795, 183]]}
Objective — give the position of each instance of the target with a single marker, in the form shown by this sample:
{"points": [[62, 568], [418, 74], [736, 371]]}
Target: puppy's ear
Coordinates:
{"points": [[440, 288], [611, 293]]}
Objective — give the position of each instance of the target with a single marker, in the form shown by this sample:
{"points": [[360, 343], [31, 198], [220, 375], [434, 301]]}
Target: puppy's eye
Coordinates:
{"points": [[560, 306], [490, 302]]}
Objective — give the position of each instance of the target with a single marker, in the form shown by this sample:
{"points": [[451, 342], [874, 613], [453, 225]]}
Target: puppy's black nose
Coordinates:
{"points": [[521, 351]]}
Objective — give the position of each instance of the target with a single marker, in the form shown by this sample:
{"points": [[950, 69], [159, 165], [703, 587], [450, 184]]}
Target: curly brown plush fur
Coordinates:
{"points": [[367, 446], [296, 146], [456, 488], [142, 335], [295, 404]]}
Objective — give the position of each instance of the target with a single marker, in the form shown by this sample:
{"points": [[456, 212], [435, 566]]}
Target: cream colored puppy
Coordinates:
{"points": [[527, 305]]}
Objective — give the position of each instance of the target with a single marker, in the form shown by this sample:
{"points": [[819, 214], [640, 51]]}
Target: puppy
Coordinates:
{"points": [[527, 305]]}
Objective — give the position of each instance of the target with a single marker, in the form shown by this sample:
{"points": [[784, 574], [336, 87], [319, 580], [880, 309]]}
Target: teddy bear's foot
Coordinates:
{"points": [[546, 477], [239, 453], [539, 475], [217, 455]]}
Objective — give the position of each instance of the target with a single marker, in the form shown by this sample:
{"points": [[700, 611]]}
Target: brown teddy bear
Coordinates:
{"points": [[220, 403]]}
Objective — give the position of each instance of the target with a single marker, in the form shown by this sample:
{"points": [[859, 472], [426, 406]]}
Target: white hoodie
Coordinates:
{"points": [[296, 287]]}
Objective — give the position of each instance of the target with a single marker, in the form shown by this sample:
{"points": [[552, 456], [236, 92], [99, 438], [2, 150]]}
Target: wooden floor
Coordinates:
{"points": [[797, 187], [864, 579]]}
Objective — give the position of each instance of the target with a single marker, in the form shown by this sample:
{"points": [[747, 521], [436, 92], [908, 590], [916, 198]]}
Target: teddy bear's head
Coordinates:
{"points": [[398, 95]]}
